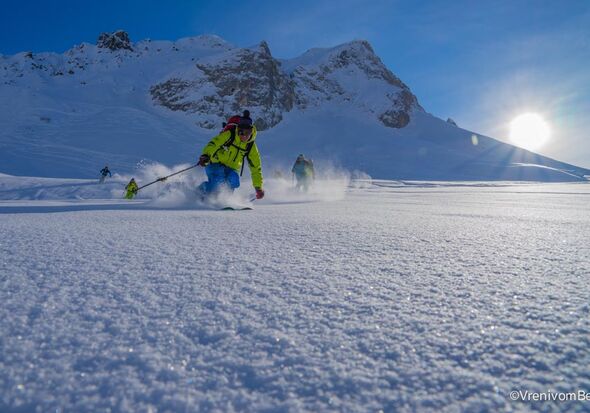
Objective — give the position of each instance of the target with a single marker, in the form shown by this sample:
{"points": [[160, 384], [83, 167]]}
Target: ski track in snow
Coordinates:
{"points": [[395, 298]]}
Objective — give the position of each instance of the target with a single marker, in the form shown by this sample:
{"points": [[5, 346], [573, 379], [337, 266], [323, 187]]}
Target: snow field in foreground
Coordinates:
{"points": [[394, 298]]}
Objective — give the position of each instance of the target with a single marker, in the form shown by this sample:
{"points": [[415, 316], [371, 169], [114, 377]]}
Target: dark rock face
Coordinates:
{"points": [[173, 93], [403, 104], [247, 79], [252, 79], [114, 41], [399, 115], [395, 118]]}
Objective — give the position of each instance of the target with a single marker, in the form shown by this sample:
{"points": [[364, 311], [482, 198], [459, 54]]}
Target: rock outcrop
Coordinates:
{"points": [[251, 78], [114, 41], [244, 78]]}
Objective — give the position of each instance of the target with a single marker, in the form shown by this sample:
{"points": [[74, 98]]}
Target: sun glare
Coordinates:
{"points": [[529, 131]]}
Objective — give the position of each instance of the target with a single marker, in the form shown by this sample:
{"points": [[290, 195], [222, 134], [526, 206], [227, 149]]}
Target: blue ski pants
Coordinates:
{"points": [[219, 175]]}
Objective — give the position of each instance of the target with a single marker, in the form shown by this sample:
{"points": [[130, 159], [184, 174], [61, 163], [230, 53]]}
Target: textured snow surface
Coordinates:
{"points": [[397, 297]]}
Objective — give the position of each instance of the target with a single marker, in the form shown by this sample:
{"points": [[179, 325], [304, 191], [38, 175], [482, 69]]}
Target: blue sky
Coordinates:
{"points": [[480, 62]]}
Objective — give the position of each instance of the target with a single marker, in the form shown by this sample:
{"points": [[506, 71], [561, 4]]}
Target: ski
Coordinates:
{"points": [[229, 208]]}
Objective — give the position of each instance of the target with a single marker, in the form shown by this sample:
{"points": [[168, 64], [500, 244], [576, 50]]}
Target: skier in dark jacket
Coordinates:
{"points": [[103, 174]]}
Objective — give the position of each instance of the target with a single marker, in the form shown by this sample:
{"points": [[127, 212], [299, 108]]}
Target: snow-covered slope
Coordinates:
{"points": [[396, 298], [122, 103]]}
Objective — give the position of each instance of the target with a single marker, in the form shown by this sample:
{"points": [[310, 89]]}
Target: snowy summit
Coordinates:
{"points": [[123, 102]]}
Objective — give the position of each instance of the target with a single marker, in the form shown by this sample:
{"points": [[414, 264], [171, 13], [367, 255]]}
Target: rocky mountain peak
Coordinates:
{"points": [[348, 73], [114, 41], [360, 54], [356, 47], [243, 78], [212, 79], [251, 77], [264, 49]]}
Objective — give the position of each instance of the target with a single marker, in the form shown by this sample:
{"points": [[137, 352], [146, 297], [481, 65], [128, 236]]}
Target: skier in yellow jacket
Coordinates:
{"points": [[225, 154], [131, 189]]}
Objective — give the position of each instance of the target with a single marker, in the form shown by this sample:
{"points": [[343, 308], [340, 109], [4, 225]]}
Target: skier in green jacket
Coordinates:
{"points": [[131, 189], [224, 155], [304, 172]]}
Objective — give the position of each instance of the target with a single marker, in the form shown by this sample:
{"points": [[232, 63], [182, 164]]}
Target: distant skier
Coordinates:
{"points": [[131, 189], [304, 173], [224, 155], [103, 174]]}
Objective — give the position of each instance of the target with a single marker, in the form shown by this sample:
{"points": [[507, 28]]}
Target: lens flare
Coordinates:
{"points": [[529, 131]]}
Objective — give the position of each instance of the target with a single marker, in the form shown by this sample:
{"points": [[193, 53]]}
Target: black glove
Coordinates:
{"points": [[203, 160], [259, 193]]}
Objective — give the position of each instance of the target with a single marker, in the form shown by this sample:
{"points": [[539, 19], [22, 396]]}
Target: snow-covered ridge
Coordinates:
{"points": [[69, 114], [209, 77], [356, 53], [86, 56]]}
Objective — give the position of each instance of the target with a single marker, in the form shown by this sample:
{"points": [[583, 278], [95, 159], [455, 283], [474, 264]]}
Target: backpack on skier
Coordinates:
{"points": [[232, 125], [235, 120]]}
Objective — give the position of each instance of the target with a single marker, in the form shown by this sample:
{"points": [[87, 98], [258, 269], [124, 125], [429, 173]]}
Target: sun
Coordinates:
{"points": [[529, 131]]}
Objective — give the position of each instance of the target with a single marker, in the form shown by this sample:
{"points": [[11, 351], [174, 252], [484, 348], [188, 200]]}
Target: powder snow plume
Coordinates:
{"points": [[331, 184], [180, 191]]}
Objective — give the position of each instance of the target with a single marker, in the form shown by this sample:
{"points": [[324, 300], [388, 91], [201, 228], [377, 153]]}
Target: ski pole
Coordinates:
{"points": [[162, 179]]}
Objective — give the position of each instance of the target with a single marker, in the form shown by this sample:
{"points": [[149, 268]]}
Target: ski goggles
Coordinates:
{"points": [[244, 132]]}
